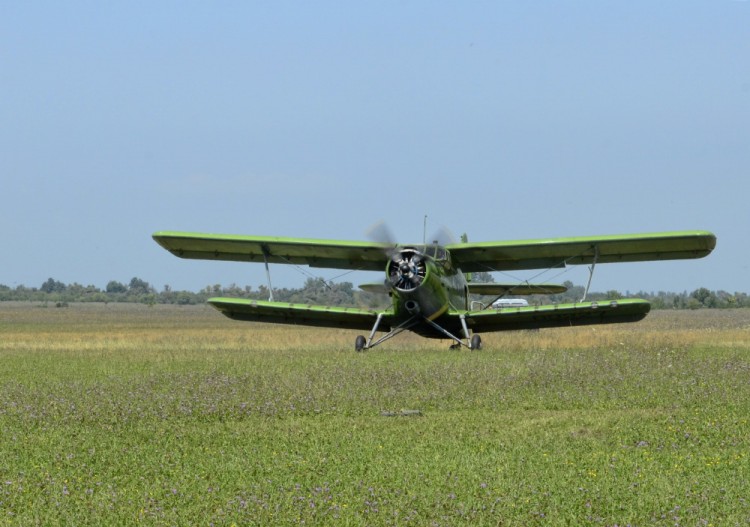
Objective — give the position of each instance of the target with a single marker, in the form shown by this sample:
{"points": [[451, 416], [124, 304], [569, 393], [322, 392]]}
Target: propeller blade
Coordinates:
{"points": [[443, 236], [381, 233]]}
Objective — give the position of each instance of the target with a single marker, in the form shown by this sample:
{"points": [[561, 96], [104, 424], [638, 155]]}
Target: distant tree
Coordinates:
{"points": [[77, 291], [482, 277], [658, 303], [704, 296], [318, 291], [233, 291], [53, 286], [693, 303], [184, 298], [115, 287], [573, 294], [5, 293], [139, 287], [613, 295]]}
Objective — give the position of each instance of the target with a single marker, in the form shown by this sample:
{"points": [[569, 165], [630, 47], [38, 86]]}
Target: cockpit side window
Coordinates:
{"points": [[438, 252]]}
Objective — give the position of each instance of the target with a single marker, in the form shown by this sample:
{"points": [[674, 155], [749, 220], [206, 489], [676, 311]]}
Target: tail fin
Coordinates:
{"points": [[465, 239]]}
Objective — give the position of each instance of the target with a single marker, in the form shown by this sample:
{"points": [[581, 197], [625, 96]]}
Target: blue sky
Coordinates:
{"points": [[505, 120]]}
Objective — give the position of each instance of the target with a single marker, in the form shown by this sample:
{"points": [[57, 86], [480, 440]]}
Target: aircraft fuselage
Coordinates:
{"points": [[424, 283]]}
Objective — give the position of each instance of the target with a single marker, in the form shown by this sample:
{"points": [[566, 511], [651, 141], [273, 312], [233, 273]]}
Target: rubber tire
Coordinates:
{"points": [[476, 342], [359, 343]]}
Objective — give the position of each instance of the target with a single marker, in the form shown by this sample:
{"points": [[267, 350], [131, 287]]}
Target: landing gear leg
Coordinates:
{"points": [[361, 343]]}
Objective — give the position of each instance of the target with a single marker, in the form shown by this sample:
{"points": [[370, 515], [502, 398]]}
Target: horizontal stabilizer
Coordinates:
{"points": [[494, 289], [375, 287]]}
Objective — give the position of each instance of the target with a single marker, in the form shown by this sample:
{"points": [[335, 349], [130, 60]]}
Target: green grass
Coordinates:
{"points": [[124, 414]]}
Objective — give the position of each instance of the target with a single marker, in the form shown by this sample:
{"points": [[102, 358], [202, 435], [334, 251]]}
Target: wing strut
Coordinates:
{"points": [[266, 254], [591, 272]]}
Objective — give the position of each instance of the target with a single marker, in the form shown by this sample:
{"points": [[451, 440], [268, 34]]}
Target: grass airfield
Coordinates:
{"points": [[126, 414]]}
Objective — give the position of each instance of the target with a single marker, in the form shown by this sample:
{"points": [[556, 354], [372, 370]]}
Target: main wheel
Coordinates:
{"points": [[359, 343], [476, 342]]}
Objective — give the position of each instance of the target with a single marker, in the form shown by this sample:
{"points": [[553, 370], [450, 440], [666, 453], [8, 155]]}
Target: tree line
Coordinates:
{"points": [[315, 291], [318, 291]]}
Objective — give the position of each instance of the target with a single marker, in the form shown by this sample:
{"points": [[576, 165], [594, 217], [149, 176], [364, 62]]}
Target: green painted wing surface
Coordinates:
{"points": [[557, 315], [301, 314], [521, 288], [334, 254], [470, 257], [558, 252]]}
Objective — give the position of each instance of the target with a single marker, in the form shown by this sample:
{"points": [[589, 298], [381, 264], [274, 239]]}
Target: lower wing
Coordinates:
{"points": [[302, 314], [557, 315]]}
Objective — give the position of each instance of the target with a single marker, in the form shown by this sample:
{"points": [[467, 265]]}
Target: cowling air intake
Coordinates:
{"points": [[407, 270]]}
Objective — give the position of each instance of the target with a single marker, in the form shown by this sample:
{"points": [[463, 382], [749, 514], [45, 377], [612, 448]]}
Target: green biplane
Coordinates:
{"points": [[430, 284]]}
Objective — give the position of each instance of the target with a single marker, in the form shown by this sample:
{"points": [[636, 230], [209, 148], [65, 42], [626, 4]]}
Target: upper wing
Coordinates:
{"points": [[557, 315], [315, 253], [558, 252], [302, 314]]}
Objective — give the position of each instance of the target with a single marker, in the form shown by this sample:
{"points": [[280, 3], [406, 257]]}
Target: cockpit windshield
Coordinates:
{"points": [[433, 250]]}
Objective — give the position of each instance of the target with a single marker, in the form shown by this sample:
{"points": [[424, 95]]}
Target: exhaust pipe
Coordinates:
{"points": [[412, 307]]}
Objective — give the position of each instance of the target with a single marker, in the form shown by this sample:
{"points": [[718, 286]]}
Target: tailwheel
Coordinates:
{"points": [[359, 343], [476, 342]]}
